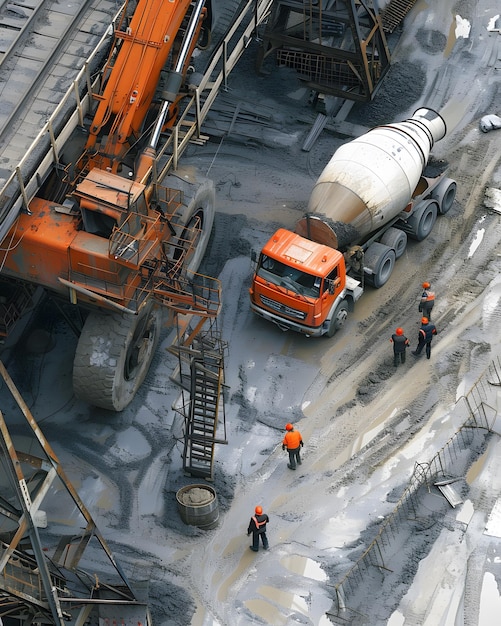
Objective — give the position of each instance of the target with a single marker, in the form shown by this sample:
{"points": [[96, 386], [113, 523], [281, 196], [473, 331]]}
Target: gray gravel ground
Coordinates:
{"points": [[365, 424]]}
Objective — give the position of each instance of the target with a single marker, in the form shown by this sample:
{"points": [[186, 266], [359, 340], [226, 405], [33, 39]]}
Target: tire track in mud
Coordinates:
{"points": [[459, 288], [473, 586], [356, 362], [483, 549], [416, 390]]}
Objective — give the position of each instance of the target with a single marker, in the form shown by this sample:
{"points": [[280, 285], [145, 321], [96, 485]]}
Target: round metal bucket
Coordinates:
{"points": [[198, 506]]}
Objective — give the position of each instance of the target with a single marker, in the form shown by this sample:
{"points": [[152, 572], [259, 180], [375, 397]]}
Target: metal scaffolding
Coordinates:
{"points": [[337, 47], [46, 574]]}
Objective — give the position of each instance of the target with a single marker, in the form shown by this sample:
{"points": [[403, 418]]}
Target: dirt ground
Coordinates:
{"points": [[365, 424]]}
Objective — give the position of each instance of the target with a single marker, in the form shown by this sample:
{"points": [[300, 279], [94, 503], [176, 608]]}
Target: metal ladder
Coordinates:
{"points": [[201, 374]]}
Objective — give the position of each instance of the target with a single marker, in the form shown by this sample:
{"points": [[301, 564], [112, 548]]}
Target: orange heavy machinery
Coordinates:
{"points": [[102, 230]]}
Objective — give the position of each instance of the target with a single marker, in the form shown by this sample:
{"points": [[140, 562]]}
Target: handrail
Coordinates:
{"points": [[24, 182]]}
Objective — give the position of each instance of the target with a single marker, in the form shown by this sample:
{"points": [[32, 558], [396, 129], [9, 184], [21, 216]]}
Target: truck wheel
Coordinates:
{"points": [[396, 239], [338, 319], [113, 355], [381, 260], [422, 222], [199, 201], [445, 194]]}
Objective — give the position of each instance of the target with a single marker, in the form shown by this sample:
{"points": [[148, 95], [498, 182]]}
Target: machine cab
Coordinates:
{"points": [[297, 279]]}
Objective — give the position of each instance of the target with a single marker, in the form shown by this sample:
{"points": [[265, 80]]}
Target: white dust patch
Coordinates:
{"points": [[493, 526], [491, 26], [463, 28], [492, 199], [476, 242], [490, 602]]}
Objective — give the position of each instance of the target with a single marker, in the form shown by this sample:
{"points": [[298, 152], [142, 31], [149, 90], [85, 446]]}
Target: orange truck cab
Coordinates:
{"points": [[301, 285]]}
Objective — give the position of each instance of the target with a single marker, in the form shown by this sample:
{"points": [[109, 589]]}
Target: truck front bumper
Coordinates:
{"points": [[285, 324]]}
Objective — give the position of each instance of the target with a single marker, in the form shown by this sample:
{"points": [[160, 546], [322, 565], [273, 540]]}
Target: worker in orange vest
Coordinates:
{"points": [[257, 526], [427, 301], [292, 442]]}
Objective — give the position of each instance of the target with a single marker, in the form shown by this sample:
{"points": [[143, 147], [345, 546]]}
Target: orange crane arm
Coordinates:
{"points": [[133, 74]]}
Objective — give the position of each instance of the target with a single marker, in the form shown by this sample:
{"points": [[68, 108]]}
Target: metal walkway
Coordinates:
{"points": [[43, 44], [394, 12]]}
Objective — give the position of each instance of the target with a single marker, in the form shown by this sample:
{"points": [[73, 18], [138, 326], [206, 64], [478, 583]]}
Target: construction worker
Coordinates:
{"points": [[427, 301], [400, 345], [257, 526], [425, 336], [293, 442]]}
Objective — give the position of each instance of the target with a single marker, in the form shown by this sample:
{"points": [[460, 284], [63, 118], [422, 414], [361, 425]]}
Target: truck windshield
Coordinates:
{"points": [[291, 278]]}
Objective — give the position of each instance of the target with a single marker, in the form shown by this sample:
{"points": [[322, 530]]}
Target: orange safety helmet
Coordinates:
{"points": [[289, 427], [258, 510], [424, 320], [399, 331], [426, 285]]}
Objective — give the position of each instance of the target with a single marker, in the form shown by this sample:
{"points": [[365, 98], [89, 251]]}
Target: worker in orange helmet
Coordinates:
{"points": [[427, 300], [257, 526], [400, 344], [292, 442], [425, 335]]}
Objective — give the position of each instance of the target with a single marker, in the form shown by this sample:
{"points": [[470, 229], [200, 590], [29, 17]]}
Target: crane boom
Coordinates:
{"points": [[159, 31]]}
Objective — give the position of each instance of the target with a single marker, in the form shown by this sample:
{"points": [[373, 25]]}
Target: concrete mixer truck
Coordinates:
{"points": [[372, 195]]}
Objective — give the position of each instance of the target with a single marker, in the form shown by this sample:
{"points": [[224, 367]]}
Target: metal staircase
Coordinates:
{"points": [[198, 457], [200, 374]]}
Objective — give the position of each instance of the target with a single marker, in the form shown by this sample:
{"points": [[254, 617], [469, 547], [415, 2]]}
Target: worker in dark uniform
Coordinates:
{"points": [[427, 301], [400, 345], [292, 442], [257, 526], [425, 336]]}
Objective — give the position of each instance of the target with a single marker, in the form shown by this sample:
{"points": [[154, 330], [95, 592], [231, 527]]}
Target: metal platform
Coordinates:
{"points": [[394, 13], [337, 47]]}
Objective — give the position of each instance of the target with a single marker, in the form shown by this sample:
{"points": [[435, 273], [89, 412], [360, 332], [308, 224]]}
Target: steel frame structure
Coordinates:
{"points": [[337, 47]]}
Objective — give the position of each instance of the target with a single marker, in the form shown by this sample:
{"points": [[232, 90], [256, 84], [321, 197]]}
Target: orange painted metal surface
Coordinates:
{"points": [[132, 76], [312, 258], [294, 250], [111, 234], [38, 244]]}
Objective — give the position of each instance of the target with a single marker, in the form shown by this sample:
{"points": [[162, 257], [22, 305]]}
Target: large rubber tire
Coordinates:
{"points": [[395, 239], [422, 222], [381, 260], [445, 194], [199, 202], [338, 319], [113, 355]]}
